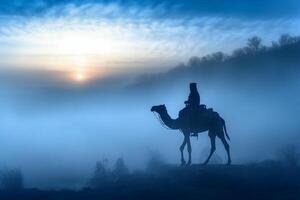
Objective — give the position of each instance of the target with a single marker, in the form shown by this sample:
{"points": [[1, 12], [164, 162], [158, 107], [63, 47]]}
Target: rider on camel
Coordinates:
{"points": [[194, 97], [193, 105]]}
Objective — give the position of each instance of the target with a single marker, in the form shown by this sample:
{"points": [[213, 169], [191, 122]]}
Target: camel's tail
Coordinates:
{"points": [[224, 126]]}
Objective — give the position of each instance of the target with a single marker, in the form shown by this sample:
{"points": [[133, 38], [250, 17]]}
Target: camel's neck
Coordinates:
{"points": [[168, 121]]}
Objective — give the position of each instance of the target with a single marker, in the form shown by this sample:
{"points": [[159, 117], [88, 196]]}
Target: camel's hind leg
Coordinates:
{"points": [[227, 148], [212, 148]]}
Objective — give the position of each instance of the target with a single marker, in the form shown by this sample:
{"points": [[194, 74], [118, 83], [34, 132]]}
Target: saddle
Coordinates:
{"points": [[196, 119]]}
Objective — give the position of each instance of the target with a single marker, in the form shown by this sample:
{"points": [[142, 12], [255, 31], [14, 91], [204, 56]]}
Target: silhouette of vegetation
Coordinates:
{"points": [[155, 162], [254, 43], [265, 62], [286, 39], [11, 179], [255, 181], [120, 170], [102, 174]]}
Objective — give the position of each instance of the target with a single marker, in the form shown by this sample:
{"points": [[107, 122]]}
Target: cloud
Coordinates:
{"points": [[124, 34]]}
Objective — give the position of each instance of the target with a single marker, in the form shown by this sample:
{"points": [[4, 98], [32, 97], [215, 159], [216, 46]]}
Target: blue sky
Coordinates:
{"points": [[245, 8], [94, 38]]}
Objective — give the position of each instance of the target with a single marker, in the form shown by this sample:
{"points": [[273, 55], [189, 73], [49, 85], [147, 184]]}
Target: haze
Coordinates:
{"points": [[78, 80]]}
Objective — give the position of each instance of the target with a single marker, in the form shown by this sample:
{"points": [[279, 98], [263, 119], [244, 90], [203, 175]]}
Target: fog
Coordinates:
{"points": [[55, 131]]}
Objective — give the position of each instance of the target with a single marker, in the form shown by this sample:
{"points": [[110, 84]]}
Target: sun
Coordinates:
{"points": [[79, 77], [79, 74]]}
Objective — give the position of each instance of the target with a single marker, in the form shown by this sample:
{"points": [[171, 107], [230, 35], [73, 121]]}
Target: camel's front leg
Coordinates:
{"points": [[181, 150], [189, 148]]}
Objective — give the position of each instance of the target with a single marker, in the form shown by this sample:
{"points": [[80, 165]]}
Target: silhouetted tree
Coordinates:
{"points": [[155, 162], [285, 39], [120, 169], [218, 56], [254, 43], [238, 53], [101, 175], [275, 45], [11, 179]]}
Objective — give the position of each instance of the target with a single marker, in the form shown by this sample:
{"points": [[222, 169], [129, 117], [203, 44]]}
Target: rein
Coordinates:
{"points": [[163, 124], [160, 121]]}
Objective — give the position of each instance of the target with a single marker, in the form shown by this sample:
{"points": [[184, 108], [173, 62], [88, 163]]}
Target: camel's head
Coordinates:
{"points": [[158, 108]]}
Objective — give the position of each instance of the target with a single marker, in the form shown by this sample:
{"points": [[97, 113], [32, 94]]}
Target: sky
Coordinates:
{"points": [[91, 39], [74, 75]]}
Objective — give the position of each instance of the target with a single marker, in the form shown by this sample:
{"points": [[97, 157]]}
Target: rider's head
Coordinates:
{"points": [[193, 87]]}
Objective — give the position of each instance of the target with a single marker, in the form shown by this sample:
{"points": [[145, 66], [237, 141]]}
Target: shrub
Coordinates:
{"points": [[101, 175], [11, 179], [155, 162], [120, 169]]}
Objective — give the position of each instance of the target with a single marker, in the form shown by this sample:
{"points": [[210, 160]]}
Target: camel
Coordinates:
{"points": [[214, 124]]}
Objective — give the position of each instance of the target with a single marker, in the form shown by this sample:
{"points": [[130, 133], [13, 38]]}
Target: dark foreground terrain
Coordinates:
{"points": [[255, 181]]}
